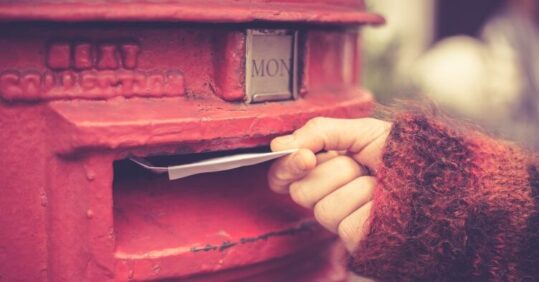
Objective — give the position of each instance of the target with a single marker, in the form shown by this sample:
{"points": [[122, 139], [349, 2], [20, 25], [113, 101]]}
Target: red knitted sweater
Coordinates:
{"points": [[451, 206]]}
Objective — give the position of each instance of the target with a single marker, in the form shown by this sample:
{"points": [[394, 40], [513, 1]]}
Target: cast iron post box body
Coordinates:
{"points": [[84, 85]]}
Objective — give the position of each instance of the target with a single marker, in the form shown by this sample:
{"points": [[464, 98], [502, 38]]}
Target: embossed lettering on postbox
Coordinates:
{"points": [[271, 65], [91, 70]]}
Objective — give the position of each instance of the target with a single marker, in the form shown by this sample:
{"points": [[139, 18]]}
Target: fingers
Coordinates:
{"points": [[290, 168], [341, 203], [355, 226], [332, 182], [356, 136], [324, 179]]}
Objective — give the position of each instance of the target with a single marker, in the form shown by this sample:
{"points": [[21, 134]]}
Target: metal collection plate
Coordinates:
{"points": [[271, 66]]}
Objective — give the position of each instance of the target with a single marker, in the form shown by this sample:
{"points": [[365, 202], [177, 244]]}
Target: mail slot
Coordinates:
{"points": [[86, 86]]}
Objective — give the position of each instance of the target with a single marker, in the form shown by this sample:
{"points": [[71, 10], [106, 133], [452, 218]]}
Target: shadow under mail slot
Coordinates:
{"points": [[211, 165]]}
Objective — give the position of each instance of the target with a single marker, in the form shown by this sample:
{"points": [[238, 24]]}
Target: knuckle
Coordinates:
{"points": [[316, 122], [323, 214], [275, 178], [382, 126], [280, 175], [346, 231], [299, 195], [370, 182], [275, 185], [347, 164]]}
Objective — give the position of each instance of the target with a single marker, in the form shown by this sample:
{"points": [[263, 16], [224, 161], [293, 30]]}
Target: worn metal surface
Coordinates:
{"points": [[76, 98], [228, 11]]}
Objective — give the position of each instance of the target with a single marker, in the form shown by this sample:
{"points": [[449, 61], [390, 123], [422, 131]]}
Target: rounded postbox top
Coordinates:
{"points": [[338, 12]]}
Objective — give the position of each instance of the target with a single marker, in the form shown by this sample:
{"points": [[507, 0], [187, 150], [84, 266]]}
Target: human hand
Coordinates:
{"points": [[330, 171]]}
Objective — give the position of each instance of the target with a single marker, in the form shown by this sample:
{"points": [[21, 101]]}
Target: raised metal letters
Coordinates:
{"points": [[85, 70], [89, 84]]}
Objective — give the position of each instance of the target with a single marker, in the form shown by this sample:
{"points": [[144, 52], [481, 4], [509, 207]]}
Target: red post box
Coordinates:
{"points": [[85, 85]]}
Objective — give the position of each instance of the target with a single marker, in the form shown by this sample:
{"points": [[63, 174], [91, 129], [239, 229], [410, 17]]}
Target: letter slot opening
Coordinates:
{"points": [[159, 219]]}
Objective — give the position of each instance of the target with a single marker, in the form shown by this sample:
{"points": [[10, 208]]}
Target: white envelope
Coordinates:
{"points": [[212, 165]]}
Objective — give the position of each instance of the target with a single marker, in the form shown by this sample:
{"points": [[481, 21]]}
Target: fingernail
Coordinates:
{"points": [[297, 158], [304, 160], [283, 143]]}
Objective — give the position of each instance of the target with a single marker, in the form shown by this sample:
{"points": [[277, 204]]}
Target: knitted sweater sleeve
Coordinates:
{"points": [[451, 206]]}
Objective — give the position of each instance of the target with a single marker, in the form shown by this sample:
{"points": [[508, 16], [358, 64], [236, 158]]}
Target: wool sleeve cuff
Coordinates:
{"points": [[451, 205]]}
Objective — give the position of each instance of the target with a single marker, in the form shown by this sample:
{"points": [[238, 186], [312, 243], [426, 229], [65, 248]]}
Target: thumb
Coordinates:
{"points": [[363, 138]]}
